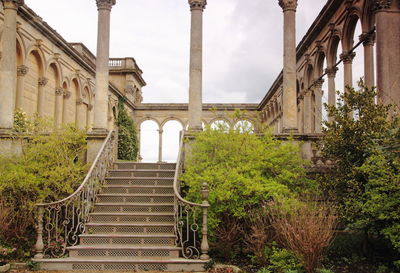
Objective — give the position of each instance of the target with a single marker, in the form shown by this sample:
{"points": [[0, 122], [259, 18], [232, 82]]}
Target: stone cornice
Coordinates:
{"points": [[105, 4], [197, 4], [12, 4], [288, 5]]}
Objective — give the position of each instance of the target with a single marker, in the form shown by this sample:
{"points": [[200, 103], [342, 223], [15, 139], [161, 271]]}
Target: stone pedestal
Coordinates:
{"points": [[289, 104], [95, 140]]}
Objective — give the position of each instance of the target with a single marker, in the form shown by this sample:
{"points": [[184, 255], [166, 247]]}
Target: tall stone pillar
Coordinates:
{"points": [[59, 107], [289, 118], [307, 111], [22, 70], [80, 114], [8, 64], [387, 19], [41, 95], [66, 96], [102, 70], [318, 93], [160, 132], [331, 73], [196, 64], [97, 136], [347, 59], [369, 66]]}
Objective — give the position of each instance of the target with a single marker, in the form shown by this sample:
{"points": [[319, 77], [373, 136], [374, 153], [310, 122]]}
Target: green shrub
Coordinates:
{"points": [[264, 270], [284, 261], [127, 135], [49, 168]]}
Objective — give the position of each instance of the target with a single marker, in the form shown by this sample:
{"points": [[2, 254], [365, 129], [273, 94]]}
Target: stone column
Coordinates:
{"points": [[369, 66], [22, 70], [196, 64], [307, 111], [347, 59], [90, 117], [289, 67], [331, 73], [160, 132], [59, 107], [100, 126], [8, 63], [318, 93], [66, 96], [80, 108], [102, 70], [387, 20], [41, 95]]}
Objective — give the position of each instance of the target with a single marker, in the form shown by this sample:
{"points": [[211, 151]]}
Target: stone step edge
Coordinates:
{"points": [[132, 214], [117, 204], [116, 235], [123, 247], [102, 260], [142, 170], [131, 224], [134, 195], [138, 178], [139, 186]]}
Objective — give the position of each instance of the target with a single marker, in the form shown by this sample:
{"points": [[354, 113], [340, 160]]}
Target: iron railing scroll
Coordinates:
{"points": [[60, 223], [186, 216]]}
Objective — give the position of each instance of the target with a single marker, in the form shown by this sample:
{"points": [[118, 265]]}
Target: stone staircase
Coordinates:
{"points": [[131, 226]]}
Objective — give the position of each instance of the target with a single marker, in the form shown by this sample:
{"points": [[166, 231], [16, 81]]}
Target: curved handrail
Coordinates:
{"points": [[186, 226], [85, 181], [60, 223]]}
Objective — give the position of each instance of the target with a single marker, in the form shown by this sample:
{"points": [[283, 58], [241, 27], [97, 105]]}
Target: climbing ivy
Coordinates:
{"points": [[127, 135]]}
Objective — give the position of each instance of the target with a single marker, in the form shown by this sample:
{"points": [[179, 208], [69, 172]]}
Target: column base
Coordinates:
{"points": [[95, 140], [290, 131], [9, 145]]}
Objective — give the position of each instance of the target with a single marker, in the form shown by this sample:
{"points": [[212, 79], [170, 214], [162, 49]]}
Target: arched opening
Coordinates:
{"points": [[31, 88], [244, 126], [149, 138], [220, 124], [170, 140], [358, 61], [50, 91]]}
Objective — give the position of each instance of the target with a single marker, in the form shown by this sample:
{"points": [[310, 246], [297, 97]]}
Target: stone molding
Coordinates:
{"points": [[331, 72], [12, 4], [43, 81], [105, 4], [67, 94], [197, 4], [22, 70], [287, 5], [347, 58], [59, 91], [382, 4]]}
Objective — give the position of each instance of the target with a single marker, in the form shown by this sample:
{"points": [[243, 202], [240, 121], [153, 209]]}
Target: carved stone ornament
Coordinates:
{"points": [[79, 101], [288, 5], [22, 70], [347, 58], [367, 39], [90, 107], [59, 91], [12, 3], [197, 4], [105, 4], [318, 84], [67, 94], [130, 89], [331, 72], [43, 81], [382, 4]]}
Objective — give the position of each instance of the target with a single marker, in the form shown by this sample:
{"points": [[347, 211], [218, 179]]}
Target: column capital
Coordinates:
{"points": [[59, 91], [368, 39], [197, 4], [105, 4], [318, 84], [347, 57], [288, 5], [43, 81], [90, 107], [22, 70], [67, 94], [331, 72], [12, 4], [79, 101], [381, 4]]}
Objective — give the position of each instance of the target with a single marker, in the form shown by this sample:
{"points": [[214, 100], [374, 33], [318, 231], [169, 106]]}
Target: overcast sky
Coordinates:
{"points": [[242, 42]]}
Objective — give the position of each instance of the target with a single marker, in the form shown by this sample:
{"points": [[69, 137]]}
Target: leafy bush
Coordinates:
{"points": [[243, 171], [50, 168], [127, 135], [284, 261]]}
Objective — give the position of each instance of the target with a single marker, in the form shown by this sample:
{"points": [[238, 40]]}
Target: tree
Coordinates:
{"points": [[365, 182], [127, 135]]}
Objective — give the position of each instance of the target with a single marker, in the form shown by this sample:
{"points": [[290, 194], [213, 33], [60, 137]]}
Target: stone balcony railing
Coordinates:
{"points": [[123, 64]]}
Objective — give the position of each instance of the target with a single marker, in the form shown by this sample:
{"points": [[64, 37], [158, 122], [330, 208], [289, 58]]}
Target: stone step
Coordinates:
{"points": [[132, 217], [144, 166], [139, 181], [130, 228], [141, 173], [117, 264], [141, 189], [134, 207], [134, 251], [135, 198], [127, 239]]}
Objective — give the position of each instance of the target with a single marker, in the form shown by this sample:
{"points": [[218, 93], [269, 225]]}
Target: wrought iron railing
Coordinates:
{"points": [[60, 223], [186, 216]]}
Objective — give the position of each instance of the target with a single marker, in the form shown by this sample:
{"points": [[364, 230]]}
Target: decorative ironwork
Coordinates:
{"points": [[60, 223], [187, 220]]}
